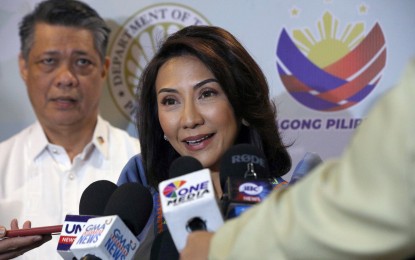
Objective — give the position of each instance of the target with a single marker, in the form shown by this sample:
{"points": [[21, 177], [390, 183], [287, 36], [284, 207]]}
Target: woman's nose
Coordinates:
{"points": [[191, 116]]}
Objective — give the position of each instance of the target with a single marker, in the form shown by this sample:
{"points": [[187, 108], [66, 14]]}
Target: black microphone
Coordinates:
{"points": [[133, 203], [113, 236], [245, 174], [95, 197], [184, 165], [163, 247], [188, 200], [92, 203]]}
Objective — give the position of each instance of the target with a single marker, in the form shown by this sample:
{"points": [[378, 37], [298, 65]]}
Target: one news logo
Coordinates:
{"points": [[118, 246], [177, 192], [334, 70], [251, 189]]}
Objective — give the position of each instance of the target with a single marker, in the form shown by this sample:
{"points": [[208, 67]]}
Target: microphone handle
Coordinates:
{"points": [[90, 257]]}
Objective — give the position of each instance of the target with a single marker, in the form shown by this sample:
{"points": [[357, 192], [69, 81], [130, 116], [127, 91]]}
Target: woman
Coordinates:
{"points": [[200, 94]]}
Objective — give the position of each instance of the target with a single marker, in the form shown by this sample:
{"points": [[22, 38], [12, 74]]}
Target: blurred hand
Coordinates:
{"points": [[197, 246], [16, 246]]}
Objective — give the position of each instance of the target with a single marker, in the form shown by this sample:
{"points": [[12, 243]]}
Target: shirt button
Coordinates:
{"points": [[71, 176], [55, 151]]}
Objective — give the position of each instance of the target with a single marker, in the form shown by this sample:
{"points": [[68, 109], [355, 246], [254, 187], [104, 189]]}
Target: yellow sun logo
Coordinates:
{"points": [[331, 70], [330, 48]]}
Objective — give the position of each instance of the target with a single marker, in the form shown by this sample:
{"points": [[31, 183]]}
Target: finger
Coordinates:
{"points": [[14, 224], [2, 231], [27, 224]]}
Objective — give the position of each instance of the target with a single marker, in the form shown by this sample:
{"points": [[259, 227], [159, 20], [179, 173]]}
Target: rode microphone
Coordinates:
{"points": [[244, 171], [113, 236], [188, 200], [92, 203], [309, 161]]}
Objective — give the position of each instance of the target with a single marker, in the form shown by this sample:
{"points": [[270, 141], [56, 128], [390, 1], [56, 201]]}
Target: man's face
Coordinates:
{"points": [[64, 76]]}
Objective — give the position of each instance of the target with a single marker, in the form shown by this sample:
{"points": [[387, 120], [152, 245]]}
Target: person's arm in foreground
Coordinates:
{"points": [[16, 246], [359, 207]]}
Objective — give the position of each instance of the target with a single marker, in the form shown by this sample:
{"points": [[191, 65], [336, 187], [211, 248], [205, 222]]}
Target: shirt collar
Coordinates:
{"points": [[38, 140], [99, 139]]}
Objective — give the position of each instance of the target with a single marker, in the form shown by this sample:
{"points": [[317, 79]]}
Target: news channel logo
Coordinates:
{"points": [[335, 69], [170, 191]]}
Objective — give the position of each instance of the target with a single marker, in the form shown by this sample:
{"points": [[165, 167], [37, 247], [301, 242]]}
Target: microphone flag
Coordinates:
{"points": [[189, 203], [107, 238]]}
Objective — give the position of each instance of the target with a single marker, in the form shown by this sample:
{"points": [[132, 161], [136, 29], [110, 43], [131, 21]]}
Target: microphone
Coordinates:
{"points": [[113, 236], [92, 203], [95, 197], [309, 161], [163, 247], [245, 172], [188, 201], [181, 166]]}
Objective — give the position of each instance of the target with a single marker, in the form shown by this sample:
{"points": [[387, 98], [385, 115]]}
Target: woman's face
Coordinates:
{"points": [[194, 111]]}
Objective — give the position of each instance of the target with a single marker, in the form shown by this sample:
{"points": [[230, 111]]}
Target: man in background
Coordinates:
{"points": [[45, 168]]}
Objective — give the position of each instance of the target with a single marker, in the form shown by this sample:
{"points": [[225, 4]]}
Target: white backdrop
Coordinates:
{"points": [[323, 31]]}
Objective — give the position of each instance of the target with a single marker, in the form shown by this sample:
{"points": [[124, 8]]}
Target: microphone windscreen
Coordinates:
{"points": [[235, 161], [163, 247], [133, 203], [95, 197], [184, 165], [306, 165]]}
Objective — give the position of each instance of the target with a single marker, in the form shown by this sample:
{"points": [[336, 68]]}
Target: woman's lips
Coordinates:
{"points": [[198, 142]]}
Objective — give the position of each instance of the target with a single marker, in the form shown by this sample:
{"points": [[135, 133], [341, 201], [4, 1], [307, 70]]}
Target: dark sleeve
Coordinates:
{"points": [[133, 171]]}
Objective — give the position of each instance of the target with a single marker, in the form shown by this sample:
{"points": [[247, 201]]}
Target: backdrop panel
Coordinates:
{"points": [[327, 61]]}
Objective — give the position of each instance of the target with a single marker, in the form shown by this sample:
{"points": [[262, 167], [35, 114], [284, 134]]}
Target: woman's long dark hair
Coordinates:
{"points": [[241, 79]]}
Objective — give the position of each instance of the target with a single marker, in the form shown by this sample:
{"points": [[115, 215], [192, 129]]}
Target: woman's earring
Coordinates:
{"points": [[165, 137], [244, 122]]}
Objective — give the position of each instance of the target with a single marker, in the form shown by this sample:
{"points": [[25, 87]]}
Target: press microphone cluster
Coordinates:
{"points": [[111, 218], [92, 203], [188, 200]]}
